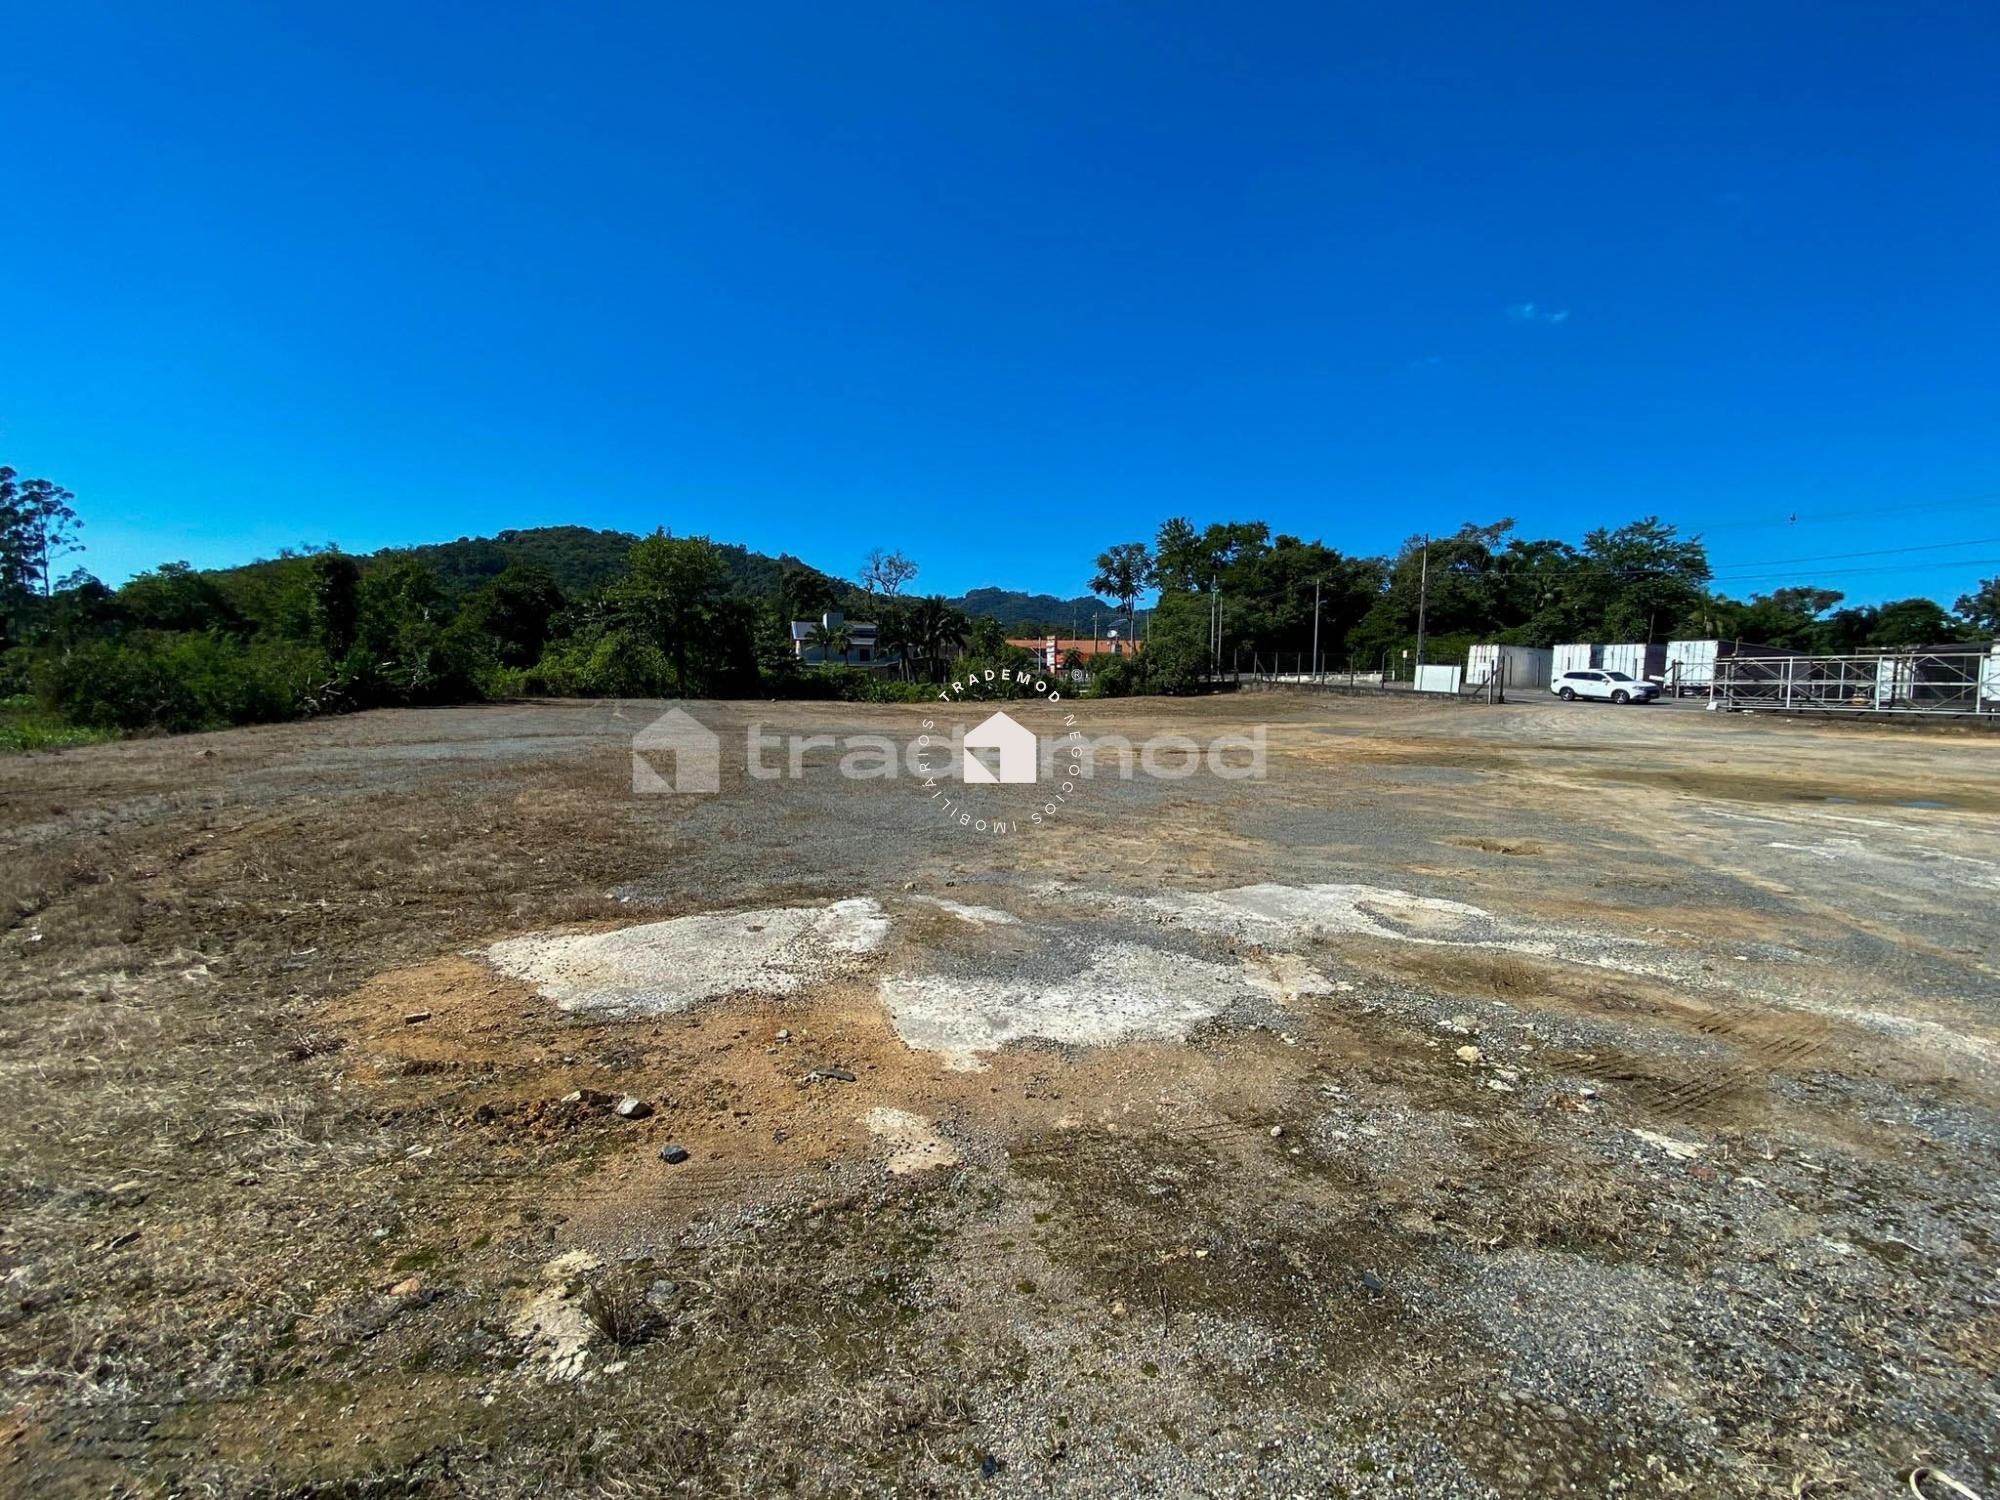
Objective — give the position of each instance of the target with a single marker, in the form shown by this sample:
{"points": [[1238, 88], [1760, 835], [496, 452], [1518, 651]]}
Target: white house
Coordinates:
{"points": [[862, 650]]}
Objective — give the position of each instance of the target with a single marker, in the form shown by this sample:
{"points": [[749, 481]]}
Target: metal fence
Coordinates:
{"points": [[1916, 682]]}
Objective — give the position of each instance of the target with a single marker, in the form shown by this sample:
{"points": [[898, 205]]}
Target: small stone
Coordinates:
{"points": [[1277, 1131], [1470, 1054], [660, 1295], [673, 1155], [631, 1107], [416, 1018], [1372, 1282], [407, 1287], [835, 1075], [784, 1035]]}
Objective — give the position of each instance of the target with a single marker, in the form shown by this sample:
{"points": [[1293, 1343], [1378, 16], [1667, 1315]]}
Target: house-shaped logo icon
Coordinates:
{"points": [[697, 755], [1017, 752]]}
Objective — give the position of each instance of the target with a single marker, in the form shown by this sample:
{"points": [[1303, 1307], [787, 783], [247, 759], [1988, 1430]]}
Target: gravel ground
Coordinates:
{"points": [[1523, 1100]]}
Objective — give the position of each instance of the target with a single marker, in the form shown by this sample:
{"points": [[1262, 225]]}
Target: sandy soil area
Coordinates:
{"points": [[1522, 1100]]}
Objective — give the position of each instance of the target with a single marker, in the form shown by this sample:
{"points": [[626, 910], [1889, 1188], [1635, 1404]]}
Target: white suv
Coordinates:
{"points": [[1615, 686]]}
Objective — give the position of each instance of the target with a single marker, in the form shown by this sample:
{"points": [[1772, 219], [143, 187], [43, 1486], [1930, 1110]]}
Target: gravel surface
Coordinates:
{"points": [[1516, 1101]]}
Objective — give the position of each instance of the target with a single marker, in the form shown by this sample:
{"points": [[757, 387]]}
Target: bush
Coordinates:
{"points": [[24, 725], [843, 685], [180, 682], [608, 665]]}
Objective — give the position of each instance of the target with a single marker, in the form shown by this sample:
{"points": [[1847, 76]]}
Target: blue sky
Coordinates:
{"points": [[1003, 284]]}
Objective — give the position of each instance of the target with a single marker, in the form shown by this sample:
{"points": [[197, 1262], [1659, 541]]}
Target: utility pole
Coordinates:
{"points": [[1423, 597], [1316, 627]]}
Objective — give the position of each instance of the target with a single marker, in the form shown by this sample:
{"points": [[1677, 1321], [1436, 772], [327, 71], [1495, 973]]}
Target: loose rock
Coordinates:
{"points": [[673, 1155]]}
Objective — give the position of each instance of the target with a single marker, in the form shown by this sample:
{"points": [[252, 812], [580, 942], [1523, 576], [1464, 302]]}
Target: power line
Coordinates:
{"points": [[1775, 562], [1798, 518], [1961, 562]]}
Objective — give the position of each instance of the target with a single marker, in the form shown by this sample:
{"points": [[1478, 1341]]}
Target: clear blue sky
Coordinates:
{"points": [[1001, 284]]}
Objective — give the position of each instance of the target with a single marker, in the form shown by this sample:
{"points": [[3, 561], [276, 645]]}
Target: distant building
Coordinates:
{"points": [[1052, 651], [862, 649]]}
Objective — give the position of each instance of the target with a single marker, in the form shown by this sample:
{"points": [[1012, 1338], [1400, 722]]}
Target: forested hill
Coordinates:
{"points": [[1037, 614], [582, 559]]}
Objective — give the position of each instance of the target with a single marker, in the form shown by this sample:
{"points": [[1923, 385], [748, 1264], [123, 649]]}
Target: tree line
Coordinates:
{"points": [[323, 631], [1231, 592]]}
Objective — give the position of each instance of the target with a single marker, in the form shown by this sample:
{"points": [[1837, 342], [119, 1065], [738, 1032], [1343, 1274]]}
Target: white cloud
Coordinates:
{"points": [[1535, 312]]}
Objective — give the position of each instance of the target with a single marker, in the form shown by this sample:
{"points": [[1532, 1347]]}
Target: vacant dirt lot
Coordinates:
{"points": [[1531, 1100]]}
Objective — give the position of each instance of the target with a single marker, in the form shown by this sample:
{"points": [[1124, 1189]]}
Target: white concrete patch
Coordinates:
{"points": [[978, 916], [1124, 993], [914, 1146], [553, 1324], [1325, 910], [661, 967]]}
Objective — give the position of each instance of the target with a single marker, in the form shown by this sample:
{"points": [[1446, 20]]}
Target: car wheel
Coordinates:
{"points": [[1568, 695], [1621, 697]]}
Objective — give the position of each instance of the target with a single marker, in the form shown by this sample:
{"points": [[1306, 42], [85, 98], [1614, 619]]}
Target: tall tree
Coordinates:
{"points": [[48, 527], [1124, 572], [516, 609], [1980, 609], [174, 596], [673, 593], [333, 601], [886, 573], [1648, 579], [1913, 622]]}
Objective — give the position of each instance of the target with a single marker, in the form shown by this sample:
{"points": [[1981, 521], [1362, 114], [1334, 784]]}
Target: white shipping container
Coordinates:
{"points": [[1574, 658], [1989, 676], [1436, 679], [1635, 660], [1690, 665], [1523, 667]]}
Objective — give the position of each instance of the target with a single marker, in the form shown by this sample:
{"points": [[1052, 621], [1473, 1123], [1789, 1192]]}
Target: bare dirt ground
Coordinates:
{"points": [[1531, 1100]]}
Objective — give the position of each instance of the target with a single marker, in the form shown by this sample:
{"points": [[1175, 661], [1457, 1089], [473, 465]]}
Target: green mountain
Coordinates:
{"points": [[579, 558], [1037, 614], [583, 558]]}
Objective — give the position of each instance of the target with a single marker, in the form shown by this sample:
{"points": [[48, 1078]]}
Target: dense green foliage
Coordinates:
{"points": [[570, 611], [1639, 582]]}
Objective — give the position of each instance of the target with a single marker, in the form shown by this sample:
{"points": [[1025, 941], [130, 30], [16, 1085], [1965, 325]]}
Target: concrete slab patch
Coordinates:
{"points": [[978, 916], [661, 967], [1126, 992]]}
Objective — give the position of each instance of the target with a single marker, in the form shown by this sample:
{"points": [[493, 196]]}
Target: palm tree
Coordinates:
{"points": [[937, 627], [829, 639], [897, 633]]}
